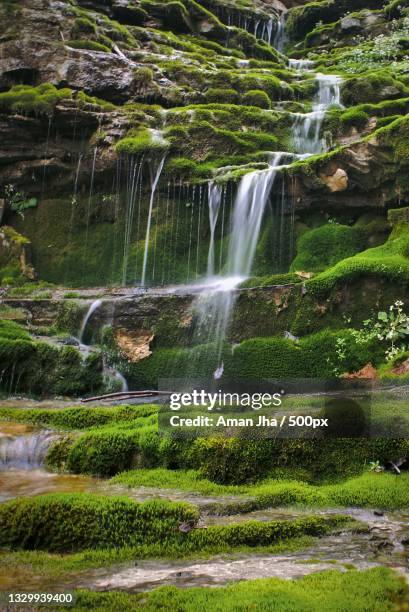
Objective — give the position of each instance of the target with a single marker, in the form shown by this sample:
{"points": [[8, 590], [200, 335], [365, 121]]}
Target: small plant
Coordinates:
{"points": [[375, 466], [393, 327], [18, 201]]}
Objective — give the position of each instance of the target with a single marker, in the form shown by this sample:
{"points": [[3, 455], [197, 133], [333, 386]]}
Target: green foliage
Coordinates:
{"points": [[144, 141], [64, 523], [18, 201], [371, 87], [354, 118], [39, 100], [393, 327], [90, 45], [324, 246], [104, 453], [79, 417], [144, 76], [388, 261], [222, 96], [371, 490], [256, 97], [312, 357], [378, 588], [40, 368]]}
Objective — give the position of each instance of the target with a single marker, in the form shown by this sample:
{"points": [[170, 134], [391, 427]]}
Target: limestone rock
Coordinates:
{"points": [[135, 345], [337, 181]]}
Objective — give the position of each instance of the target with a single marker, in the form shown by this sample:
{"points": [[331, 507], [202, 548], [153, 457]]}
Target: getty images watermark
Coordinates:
{"points": [[295, 409], [221, 399]]}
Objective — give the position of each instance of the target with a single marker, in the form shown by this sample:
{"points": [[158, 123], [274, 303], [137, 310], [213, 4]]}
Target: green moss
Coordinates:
{"points": [[221, 96], [40, 368], [82, 99], [90, 45], [39, 100], [83, 25], [324, 246], [78, 417], [144, 141], [302, 19], [388, 261], [256, 97], [354, 118], [74, 522], [314, 356], [369, 490], [371, 87], [377, 588]]}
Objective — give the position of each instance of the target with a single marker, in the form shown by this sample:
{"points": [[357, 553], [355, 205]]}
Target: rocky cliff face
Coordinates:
{"points": [[120, 121]]}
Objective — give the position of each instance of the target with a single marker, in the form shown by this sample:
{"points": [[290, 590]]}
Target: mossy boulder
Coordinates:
{"points": [[66, 523]]}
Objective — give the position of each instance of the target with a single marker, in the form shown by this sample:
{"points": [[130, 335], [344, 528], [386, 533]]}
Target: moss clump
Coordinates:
{"points": [[354, 118], [388, 261], [40, 368], [89, 45], [222, 96], [39, 100], [314, 356], [83, 25], [143, 141], [63, 523], [379, 588], [371, 87], [303, 19], [79, 417], [257, 97], [324, 246]]}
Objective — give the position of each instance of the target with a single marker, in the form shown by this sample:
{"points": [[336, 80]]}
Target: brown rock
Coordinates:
{"points": [[402, 368], [135, 345], [337, 181], [367, 372]]}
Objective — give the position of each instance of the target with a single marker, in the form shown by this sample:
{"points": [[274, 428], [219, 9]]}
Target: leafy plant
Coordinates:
{"points": [[393, 327], [18, 201]]}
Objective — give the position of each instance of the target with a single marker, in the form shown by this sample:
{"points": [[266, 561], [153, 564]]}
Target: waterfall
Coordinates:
{"points": [[307, 127], [215, 304], [300, 65], [251, 199], [214, 199], [94, 306], [25, 452], [110, 372], [279, 36], [269, 30], [134, 180], [148, 226], [90, 194]]}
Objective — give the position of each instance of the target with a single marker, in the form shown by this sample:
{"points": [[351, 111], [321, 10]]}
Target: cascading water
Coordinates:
{"points": [[25, 452], [148, 226], [214, 305], [279, 36], [133, 188], [307, 127], [214, 199], [300, 65], [109, 371], [94, 306]]}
